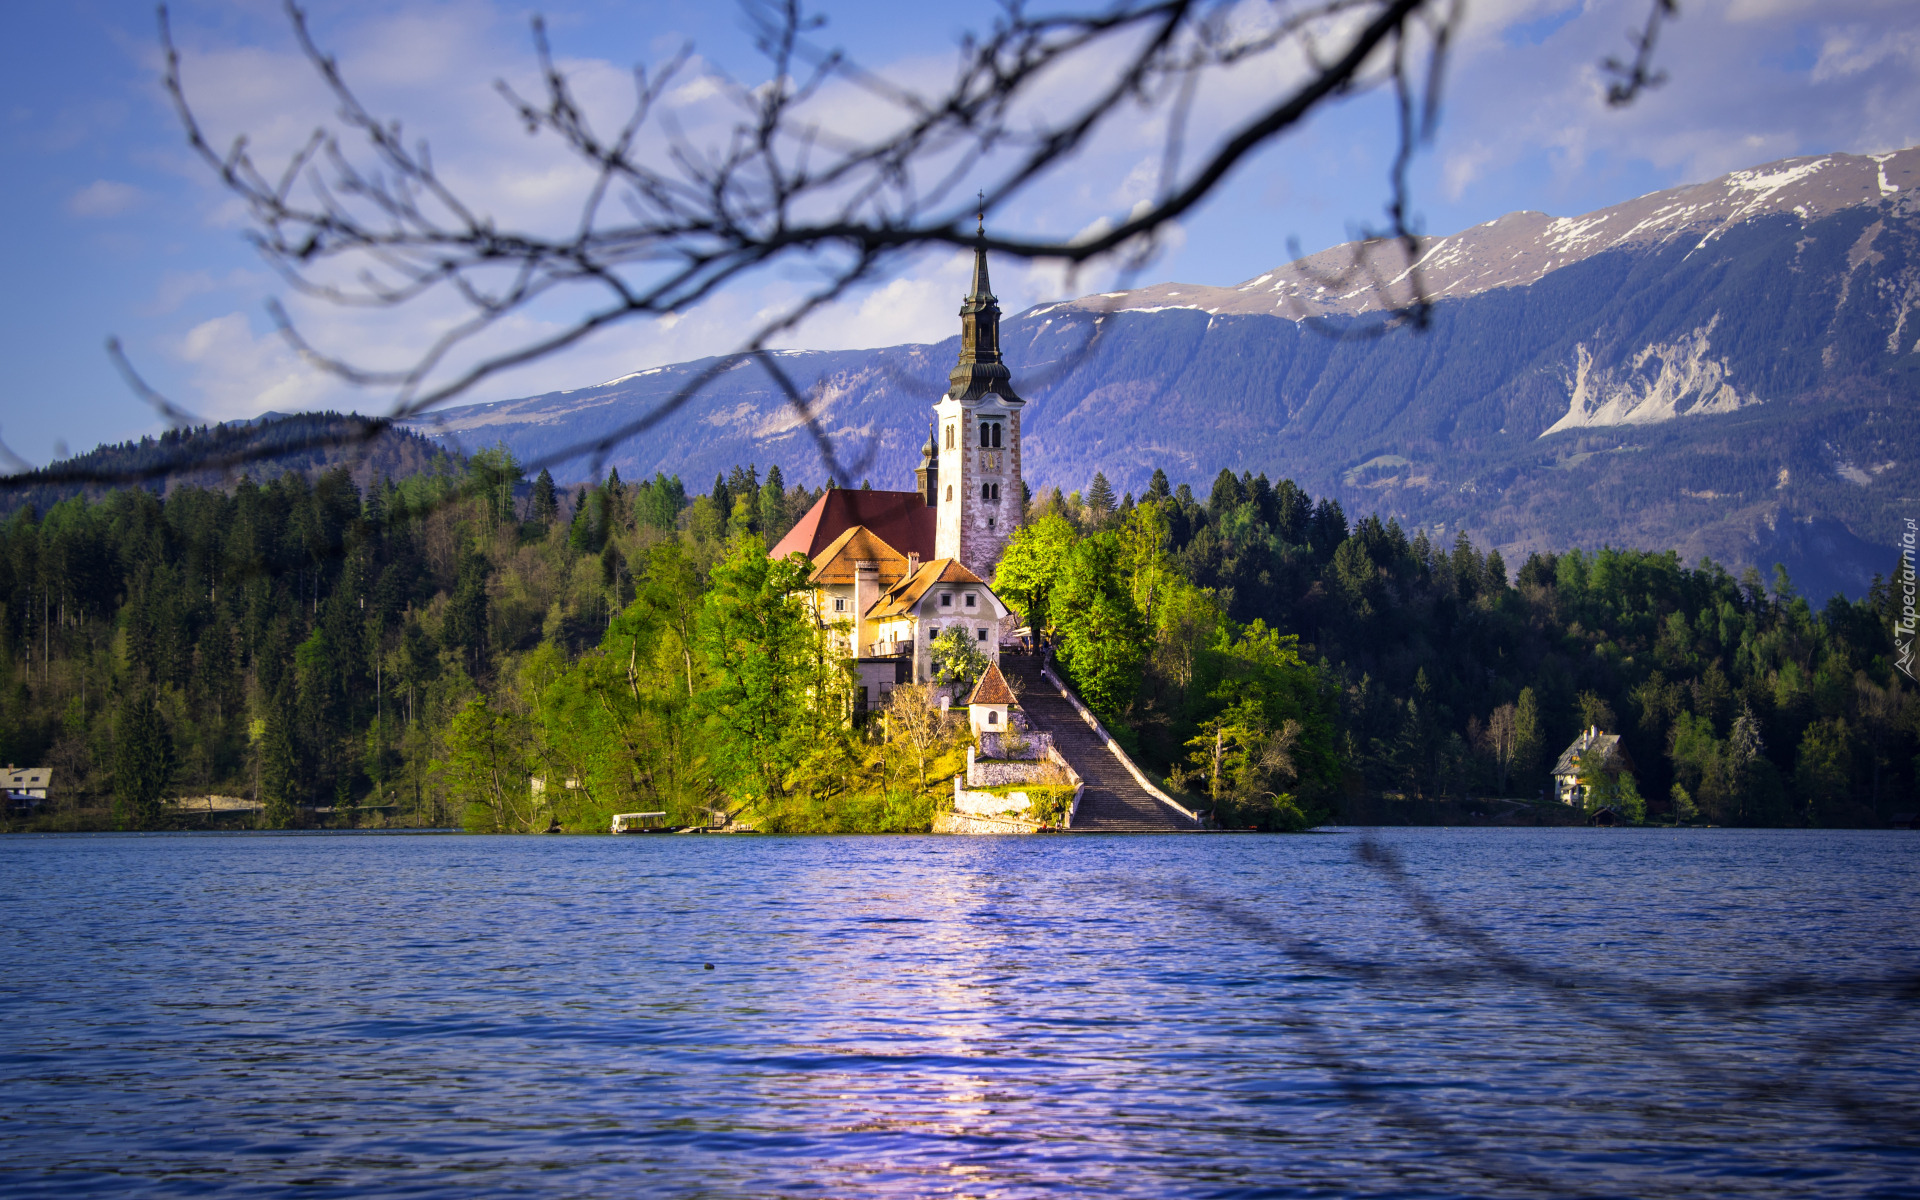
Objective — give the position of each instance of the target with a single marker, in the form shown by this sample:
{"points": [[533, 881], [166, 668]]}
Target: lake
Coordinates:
{"points": [[1422, 1012]]}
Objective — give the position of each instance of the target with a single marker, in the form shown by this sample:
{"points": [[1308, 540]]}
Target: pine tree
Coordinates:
{"points": [[1100, 496], [278, 767], [143, 762], [546, 504], [773, 506], [1528, 738], [1158, 488]]}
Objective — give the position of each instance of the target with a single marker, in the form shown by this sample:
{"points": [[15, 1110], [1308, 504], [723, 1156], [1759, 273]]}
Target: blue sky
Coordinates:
{"points": [[111, 228]]}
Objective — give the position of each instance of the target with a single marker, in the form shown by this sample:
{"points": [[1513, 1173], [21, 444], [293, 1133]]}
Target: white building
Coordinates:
{"points": [[26, 787], [895, 569]]}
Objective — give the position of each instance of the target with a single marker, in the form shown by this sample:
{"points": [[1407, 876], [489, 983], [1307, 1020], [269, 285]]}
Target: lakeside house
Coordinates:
{"points": [[1566, 772], [26, 787]]}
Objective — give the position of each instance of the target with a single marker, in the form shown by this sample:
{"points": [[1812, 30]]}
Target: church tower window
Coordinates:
{"points": [[980, 395]]}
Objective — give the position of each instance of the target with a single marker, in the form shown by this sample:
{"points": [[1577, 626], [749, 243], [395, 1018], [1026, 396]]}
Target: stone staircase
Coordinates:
{"points": [[1113, 802]]}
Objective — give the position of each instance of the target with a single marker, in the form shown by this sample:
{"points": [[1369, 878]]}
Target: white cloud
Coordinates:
{"points": [[1736, 93], [237, 373], [1729, 103], [104, 198]]}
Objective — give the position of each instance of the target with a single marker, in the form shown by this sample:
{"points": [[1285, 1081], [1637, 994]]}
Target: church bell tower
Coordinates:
{"points": [[977, 431]]}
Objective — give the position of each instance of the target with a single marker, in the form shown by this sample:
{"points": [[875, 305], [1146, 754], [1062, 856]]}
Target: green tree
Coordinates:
{"points": [[279, 766], [546, 502], [1823, 774], [464, 627], [1605, 782], [1529, 740], [1103, 639], [485, 770], [773, 506], [756, 640], [492, 476], [143, 762], [1032, 565], [1100, 501], [957, 661]]}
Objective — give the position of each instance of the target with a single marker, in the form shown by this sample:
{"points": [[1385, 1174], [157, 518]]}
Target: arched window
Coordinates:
{"points": [[986, 435], [993, 718], [996, 491], [986, 491], [949, 437], [996, 435]]}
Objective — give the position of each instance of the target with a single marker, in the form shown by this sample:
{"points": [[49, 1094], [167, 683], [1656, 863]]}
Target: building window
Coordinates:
{"points": [[989, 522], [946, 599], [983, 633], [839, 604], [949, 437], [972, 600], [986, 491], [996, 491], [949, 491], [986, 435], [996, 435], [993, 718]]}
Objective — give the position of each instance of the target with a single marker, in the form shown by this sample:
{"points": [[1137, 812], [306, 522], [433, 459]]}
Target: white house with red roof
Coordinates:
{"points": [[893, 570]]}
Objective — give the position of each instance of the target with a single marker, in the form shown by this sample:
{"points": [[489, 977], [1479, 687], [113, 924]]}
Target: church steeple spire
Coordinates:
{"points": [[980, 370]]}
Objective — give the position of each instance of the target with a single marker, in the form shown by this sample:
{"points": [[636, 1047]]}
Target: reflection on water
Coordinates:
{"points": [[1230, 1016]]}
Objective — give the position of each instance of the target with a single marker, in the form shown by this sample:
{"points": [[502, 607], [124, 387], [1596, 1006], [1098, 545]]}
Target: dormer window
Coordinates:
{"points": [[946, 599], [972, 600]]}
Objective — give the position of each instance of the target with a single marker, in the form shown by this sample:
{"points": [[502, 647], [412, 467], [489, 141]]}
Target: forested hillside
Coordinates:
{"points": [[421, 651], [218, 455]]}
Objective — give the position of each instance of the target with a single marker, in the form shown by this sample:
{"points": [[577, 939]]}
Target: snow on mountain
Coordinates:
{"points": [[1521, 247]]}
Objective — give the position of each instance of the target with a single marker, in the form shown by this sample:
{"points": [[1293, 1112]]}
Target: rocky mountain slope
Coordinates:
{"points": [[1726, 369]]}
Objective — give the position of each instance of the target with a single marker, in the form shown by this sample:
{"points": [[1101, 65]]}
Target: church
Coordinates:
{"points": [[896, 569]]}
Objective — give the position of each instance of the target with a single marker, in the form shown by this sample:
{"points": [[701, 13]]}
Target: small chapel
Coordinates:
{"points": [[896, 569]]}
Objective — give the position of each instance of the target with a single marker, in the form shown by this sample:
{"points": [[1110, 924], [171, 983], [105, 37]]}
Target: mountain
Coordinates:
{"points": [[1725, 369], [217, 456]]}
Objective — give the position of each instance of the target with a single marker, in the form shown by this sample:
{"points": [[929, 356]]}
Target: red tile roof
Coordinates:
{"points": [[836, 563], [903, 520], [993, 688]]}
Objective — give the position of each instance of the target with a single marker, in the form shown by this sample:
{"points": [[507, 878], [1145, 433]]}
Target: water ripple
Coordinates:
{"points": [[1221, 1017]]}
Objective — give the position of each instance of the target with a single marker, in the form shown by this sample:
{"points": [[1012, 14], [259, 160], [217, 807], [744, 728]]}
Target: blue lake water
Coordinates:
{"points": [[1515, 1012]]}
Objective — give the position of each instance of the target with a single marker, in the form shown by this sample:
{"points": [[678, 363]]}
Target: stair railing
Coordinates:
{"points": [[1100, 731]]}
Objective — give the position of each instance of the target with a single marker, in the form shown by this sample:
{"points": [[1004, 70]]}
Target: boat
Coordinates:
{"points": [[640, 822]]}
